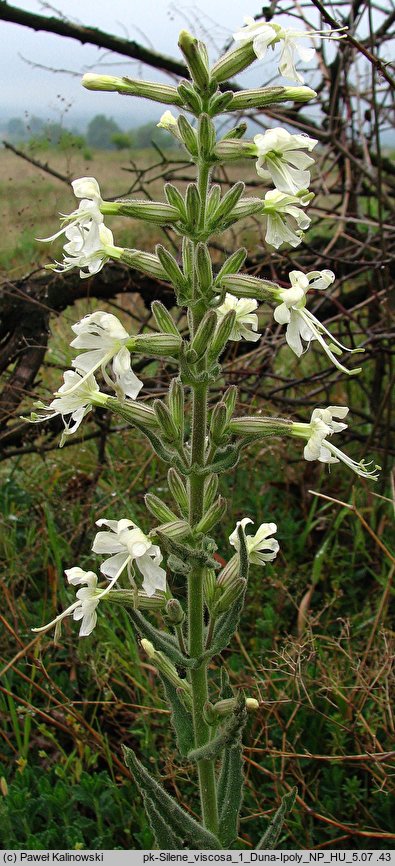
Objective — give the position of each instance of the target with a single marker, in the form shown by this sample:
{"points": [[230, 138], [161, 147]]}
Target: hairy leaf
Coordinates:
{"points": [[192, 834], [165, 837], [230, 793], [225, 627], [181, 719], [226, 690], [161, 640], [271, 836]]}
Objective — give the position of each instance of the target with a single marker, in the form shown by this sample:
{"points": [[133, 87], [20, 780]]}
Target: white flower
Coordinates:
{"points": [[278, 208], [89, 242], [322, 425], [282, 155], [246, 322], [87, 187], [89, 246], [106, 338], [263, 35], [82, 219], [302, 325], [129, 544], [88, 597], [260, 547], [88, 211], [75, 398]]}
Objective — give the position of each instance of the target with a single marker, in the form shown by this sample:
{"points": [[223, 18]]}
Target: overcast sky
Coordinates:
{"points": [[153, 23], [27, 89]]}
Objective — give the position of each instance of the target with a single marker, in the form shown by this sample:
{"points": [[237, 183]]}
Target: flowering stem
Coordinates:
{"points": [[208, 794], [206, 771]]}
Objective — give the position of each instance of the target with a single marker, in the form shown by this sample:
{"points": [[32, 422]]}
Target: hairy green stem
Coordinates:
{"points": [[206, 770]]}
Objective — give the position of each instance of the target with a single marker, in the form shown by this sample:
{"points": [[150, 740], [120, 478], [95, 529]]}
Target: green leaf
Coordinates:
{"points": [[271, 836], [225, 627], [191, 834], [227, 458], [227, 736], [230, 793], [176, 565], [181, 719], [160, 450], [226, 690], [161, 640], [186, 553], [165, 837]]}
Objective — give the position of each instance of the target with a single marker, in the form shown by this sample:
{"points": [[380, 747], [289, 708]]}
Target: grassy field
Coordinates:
{"points": [[40, 198], [316, 643]]}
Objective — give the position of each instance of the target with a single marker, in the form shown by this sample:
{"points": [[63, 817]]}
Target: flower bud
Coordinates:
{"points": [[232, 591], [237, 132], [204, 271], [233, 62], [229, 149], [212, 516], [244, 208], [138, 600], [204, 334], [244, 286], [164, 665], [224, 708], [171, 268], [209, 586], [232, 265], [188, 258], [188, 135], [260, 426], [229, 574], [209, 714], [269, 95], [222, 335], [189, 96], [157, 212], [175, 199], [206, 137], [159, 509], [164, 320], [196, 57], [173, 529], [178, 490], [220, 102], [165, 421], [174, 612], [230, 399], [169, 123], [210, 491], [176, 405], [218, 423], [213, 200], [134, 412], [193, 204], [158, 345], [228, 202], [147, 89], [148, 647], [148, 263]]}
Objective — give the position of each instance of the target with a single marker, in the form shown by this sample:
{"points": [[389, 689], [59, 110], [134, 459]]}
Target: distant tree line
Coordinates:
{"points": [[103, 133]]}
